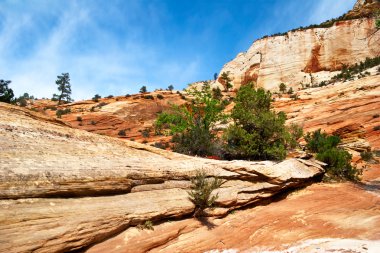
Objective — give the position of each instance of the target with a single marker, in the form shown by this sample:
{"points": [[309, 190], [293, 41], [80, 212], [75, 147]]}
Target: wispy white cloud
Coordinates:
{"points": [[79, 40]]}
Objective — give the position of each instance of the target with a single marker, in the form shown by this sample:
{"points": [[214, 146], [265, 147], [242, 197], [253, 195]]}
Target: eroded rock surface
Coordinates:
{"points": [[320, 218], [63, 189]]}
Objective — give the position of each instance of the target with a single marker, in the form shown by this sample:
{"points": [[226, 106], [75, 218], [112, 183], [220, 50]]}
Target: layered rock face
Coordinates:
{"points": [[62, 189], [347, 109], [305, 56]]}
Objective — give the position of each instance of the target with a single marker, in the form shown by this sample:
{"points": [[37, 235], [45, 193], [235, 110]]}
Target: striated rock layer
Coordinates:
{"points": [[62, 189], [349, 109], [305, 56], [344, 212]]}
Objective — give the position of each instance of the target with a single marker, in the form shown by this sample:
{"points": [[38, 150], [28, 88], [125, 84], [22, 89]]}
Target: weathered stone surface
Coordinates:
{"points": [[300, 56], [347, 109], [62, 189], [306, 219]]}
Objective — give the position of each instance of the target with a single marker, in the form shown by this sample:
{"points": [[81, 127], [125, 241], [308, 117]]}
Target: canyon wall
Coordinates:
{"points": [[305, 56]]}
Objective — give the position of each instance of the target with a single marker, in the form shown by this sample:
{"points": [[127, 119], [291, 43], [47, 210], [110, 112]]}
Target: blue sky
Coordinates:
{"points": [[115, 47]]}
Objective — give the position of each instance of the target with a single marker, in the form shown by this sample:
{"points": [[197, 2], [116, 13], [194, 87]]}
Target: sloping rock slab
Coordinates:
{"points": [[62, 189]]}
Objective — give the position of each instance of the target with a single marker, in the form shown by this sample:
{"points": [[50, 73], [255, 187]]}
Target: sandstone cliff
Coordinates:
{"points": [[307, 56], [62, 189]]}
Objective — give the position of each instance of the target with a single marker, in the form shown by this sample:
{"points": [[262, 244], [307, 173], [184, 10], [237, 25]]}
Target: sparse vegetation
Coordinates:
{"points": [[122, 132], [148, 97], [161, 145], [159, 96], [79, 118], [338, 160], [201, 191], [146, 225], [376, 128], [145, 133], [347, 73], [110, 96], [61, 112], [366, 156], [376, 116], [101, 104], [295, 133]]}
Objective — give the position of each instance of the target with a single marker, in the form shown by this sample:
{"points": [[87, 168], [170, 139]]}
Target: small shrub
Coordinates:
{"points": [[148, 97], [159, 96], [132, 139], [61, 112], [339, 165], [147, 225], [375, 116], [295, 133], [319, 141], [122, 133], [160, 145], [53, 108], [93, 122], [102, 104], [145, 133], [294, 97], [79, 118], [376, 128], [201, 189], [128, 95], [337, 159], [144, 142], [290, 91], [366, 156], [110, 96]]}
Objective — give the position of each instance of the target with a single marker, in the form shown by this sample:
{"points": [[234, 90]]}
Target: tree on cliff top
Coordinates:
{"points": [[64, 86], [143, 89], [6, 94]]}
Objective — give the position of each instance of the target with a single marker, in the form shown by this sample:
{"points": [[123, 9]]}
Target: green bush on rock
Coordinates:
{"points": [[201, 189], [338, 160]]}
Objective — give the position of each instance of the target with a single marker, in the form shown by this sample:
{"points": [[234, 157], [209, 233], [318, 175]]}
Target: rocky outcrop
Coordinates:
{"points": [[62, 189], [305, 56], [347, 109]]}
